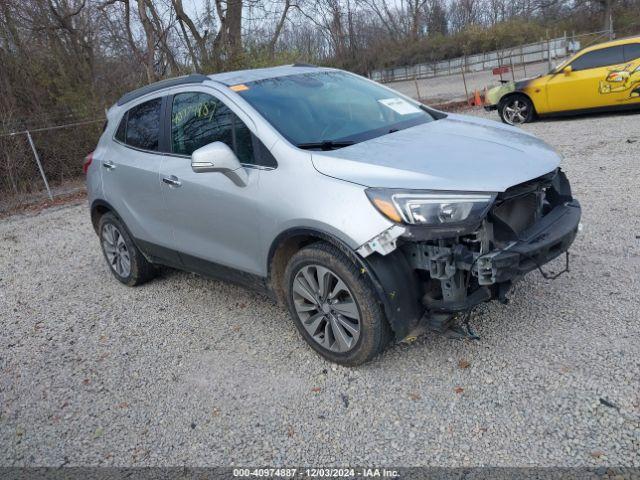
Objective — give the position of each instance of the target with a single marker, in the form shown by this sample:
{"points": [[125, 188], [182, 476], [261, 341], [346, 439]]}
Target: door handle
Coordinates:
{"points": [[109, 165], [172, 181]]}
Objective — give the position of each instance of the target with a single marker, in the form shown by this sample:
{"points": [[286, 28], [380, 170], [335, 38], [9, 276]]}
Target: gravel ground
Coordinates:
{"points": [[186, 370]]}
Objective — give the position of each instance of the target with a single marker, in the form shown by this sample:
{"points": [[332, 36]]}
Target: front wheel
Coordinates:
{"points": [[516, 110], [334, 307]]}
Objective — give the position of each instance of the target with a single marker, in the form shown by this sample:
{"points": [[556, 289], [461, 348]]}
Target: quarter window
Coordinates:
{"points": [[198, 119], [141, 126], [121, 133], [631, 52], [599, 58]]}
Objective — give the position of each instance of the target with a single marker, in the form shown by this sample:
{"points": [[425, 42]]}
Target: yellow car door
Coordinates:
{"points": [[578, 85]]}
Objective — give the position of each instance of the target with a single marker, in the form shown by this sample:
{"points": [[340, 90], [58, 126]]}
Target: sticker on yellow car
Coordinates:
{"points": [[622, 78]]}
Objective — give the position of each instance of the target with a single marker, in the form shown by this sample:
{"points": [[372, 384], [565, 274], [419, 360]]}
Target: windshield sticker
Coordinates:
{"points": [[399, 105], [239, 88]]}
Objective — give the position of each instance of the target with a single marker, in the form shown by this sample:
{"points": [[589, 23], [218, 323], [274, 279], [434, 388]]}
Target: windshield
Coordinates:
{"points": [[330, 109], [560, 66], [563, 64]]}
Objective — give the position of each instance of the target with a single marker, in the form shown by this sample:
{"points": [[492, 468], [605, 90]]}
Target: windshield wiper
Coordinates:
{"points": [[325, 145]]}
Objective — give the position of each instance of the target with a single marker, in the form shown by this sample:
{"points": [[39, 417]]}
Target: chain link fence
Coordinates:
{"points": [[43, 163], [545, 50], [461, 80]]}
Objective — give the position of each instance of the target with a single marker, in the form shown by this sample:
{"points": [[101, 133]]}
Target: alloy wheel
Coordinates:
{"points": [[116, 251], [516, 112], [326, 308]]}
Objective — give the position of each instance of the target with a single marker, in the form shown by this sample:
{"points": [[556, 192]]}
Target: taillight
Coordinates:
{"points": [[87, 161]]}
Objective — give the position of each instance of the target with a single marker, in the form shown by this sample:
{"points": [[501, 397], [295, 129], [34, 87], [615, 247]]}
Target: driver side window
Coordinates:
{"points": [[599, 58], [198, 119]]}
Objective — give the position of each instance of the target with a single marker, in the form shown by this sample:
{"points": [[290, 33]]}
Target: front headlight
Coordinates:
{"points": [[438, 209]]}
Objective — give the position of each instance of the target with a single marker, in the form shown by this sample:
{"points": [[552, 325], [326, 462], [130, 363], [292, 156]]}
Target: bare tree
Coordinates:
{"points": [[202, 56]]}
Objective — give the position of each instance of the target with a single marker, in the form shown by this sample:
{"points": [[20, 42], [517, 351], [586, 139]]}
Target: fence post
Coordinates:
{"points": [[464, 80], [549, 52], [513, 74], [415, 81], [35, 154]]}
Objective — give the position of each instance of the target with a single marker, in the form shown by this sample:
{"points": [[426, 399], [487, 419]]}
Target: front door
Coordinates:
{"points": [[582, 88], [212, 218]]}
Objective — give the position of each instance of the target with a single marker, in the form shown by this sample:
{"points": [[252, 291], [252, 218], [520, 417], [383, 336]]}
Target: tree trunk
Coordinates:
{"points": [[278, 30], [608, 18], [149, 33], [161, 34], [234, 29], [184, 19]]}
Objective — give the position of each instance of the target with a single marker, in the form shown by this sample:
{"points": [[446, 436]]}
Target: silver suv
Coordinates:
{"points": [[371, 216]]}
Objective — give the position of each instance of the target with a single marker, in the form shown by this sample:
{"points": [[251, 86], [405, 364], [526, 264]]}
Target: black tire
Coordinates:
{"points": [[140, 270], [522, 111], [374, 331]]}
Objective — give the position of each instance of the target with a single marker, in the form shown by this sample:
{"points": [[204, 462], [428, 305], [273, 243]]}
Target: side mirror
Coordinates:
{"points": [[567, 70], [218, 157]]}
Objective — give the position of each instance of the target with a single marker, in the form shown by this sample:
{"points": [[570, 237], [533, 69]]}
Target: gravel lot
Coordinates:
{"points": [[186, 370]]}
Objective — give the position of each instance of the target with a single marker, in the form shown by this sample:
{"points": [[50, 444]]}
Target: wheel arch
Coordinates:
{"points": [[391, 276], [286, 244], [518, 93], [98, 209]]}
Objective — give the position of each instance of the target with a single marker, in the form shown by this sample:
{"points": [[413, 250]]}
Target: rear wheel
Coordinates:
{"points": [[516, 110], [334, 307], [125, 261]]}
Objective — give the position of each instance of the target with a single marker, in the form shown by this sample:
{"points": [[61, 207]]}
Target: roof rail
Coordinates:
{"points": [[304, 65], [170, 82]]}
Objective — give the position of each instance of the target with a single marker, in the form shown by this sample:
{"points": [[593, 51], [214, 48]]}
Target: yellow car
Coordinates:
{"points": [[600, 77]]}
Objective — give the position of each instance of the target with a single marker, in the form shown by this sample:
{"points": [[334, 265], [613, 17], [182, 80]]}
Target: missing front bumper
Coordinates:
{"points": [[530, 225], [495, 272], [426, 282], [544, 241]]}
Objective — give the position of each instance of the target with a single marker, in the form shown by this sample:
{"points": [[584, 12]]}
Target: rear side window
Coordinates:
{"points": [[142, 126], [198, 119], [599, 58], [631, 52]]}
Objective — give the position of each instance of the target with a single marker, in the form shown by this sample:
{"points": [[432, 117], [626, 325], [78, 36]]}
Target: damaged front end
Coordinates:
{"points": [[450, 269]]}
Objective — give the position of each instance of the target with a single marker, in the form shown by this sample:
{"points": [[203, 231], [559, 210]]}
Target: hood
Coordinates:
{"points": [[455, 153], [494, 94]]}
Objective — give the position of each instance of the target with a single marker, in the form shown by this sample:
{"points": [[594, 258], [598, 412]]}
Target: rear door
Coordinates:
{"points": [[212, 218], [130, 172], [582, 88]]}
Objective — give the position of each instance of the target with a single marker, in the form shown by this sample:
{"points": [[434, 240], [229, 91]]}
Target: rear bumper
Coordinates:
{"points": [[490, 108]]}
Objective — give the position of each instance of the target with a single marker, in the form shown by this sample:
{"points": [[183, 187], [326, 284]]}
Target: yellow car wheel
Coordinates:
{"points": [[516, 109]]}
